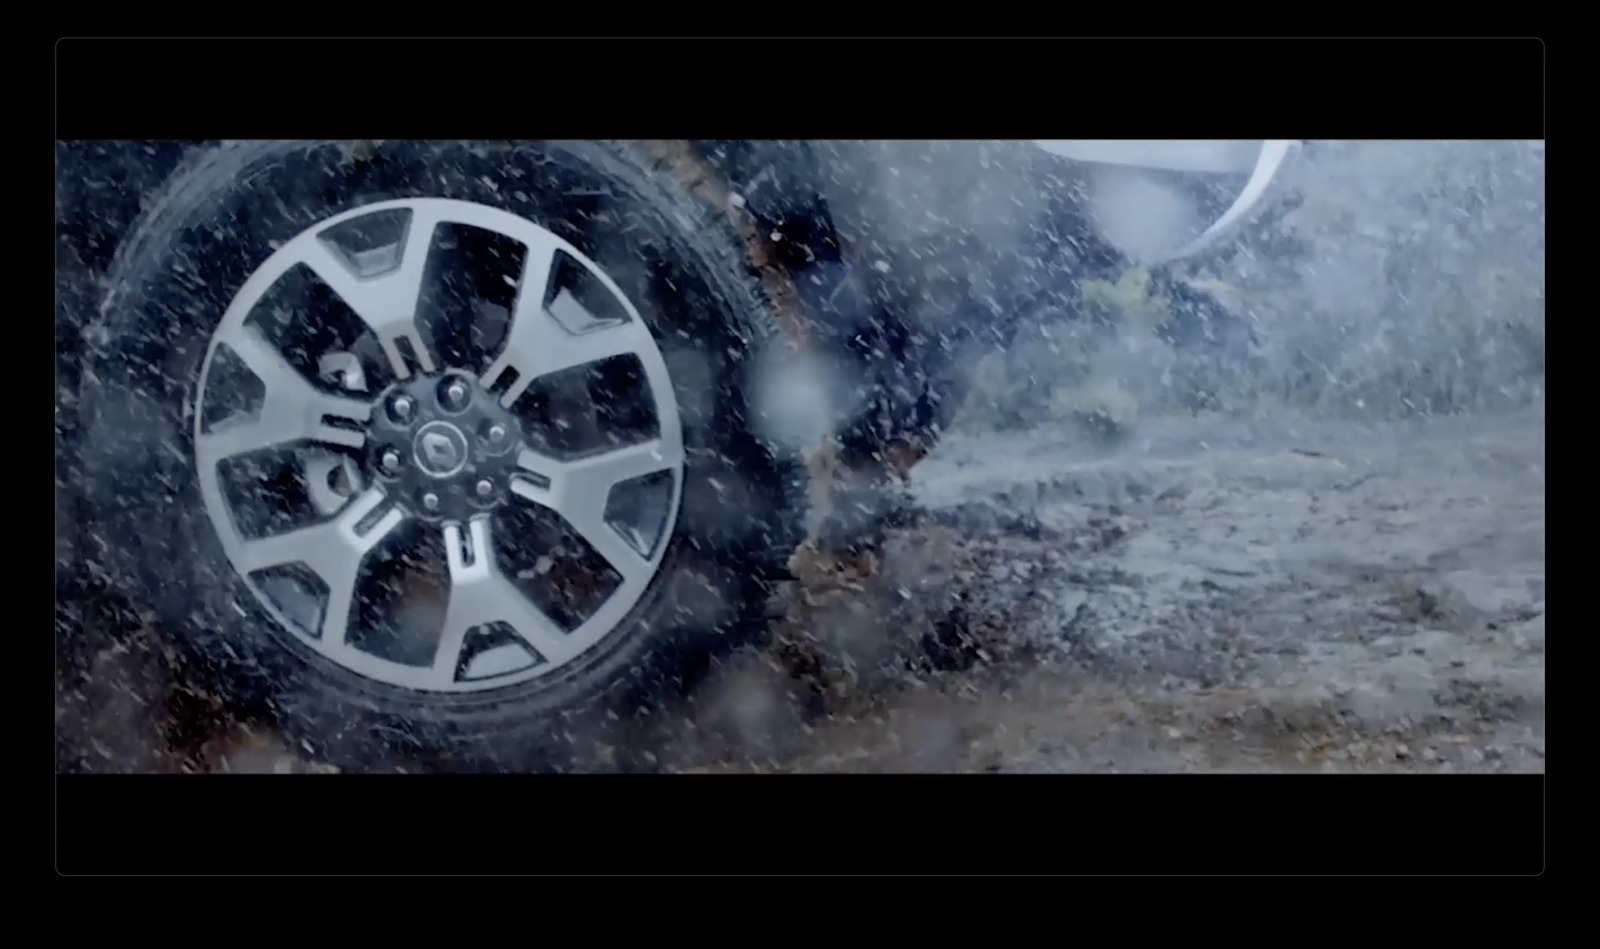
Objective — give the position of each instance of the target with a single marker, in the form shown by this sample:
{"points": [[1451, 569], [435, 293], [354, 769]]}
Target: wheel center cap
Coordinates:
{"points": [[440, 449]]}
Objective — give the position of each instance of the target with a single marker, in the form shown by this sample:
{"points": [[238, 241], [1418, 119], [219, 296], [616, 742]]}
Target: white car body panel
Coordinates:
{"points": [[1263, 161]]}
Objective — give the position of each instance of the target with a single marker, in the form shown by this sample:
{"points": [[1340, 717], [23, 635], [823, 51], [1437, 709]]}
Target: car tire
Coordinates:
{"points": [[164, 502]]}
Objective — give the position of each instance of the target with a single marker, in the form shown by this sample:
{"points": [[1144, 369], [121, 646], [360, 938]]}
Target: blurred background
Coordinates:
{"points": [[1407, 281]]}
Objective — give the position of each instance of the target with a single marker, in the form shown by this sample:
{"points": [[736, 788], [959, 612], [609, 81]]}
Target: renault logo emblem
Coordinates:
{"points": [[441, 449]]}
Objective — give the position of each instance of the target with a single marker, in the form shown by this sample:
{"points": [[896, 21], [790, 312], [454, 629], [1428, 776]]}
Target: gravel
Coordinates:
{"points": [[1316, 597]]}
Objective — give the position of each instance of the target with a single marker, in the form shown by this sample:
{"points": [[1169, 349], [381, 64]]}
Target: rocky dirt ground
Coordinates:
{"points": [[1205, 596], [1287, 597]]}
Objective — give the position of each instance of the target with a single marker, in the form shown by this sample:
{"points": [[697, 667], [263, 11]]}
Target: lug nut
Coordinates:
{"points": [[497, 434], [430, 501], [485, 488], [402, 407], [391, 459], [455, 394]]}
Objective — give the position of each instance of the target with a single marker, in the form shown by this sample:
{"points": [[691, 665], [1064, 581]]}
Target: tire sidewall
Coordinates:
{"points": [[220, 220]]}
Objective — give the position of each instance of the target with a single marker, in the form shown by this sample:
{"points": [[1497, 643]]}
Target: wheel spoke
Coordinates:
{"points": [[479, 595], [386, 303], [333, 550], [578, 491], [292, 409], [537, 345]]}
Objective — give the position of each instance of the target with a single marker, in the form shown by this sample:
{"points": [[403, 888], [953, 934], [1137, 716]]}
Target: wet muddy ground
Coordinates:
{"points": [[1220, 597], [1206, 596]]}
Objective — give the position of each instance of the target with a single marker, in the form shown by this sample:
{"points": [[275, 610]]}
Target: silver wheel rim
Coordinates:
{"points": [[382, 286]]}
